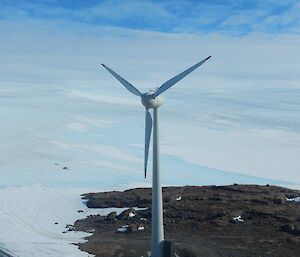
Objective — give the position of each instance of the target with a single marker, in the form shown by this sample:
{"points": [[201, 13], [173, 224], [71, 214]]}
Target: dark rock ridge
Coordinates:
{"points": [[207, 221]]}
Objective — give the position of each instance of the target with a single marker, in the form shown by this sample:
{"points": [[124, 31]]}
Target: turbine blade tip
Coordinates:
{"points": [[103, 65], [208, 57]]}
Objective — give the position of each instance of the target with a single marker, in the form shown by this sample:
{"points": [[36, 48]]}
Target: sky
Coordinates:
{"points": [[229, 17], [235, 119]]}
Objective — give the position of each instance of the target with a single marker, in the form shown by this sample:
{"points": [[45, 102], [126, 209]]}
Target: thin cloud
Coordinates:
{"points": [[234, 18]]}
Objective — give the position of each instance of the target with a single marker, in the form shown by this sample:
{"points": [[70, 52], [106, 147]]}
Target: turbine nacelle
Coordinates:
{"points": [[149, 100]]}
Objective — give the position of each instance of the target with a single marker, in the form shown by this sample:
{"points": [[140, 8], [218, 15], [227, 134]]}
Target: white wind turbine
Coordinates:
{"points": [[153, 100]]}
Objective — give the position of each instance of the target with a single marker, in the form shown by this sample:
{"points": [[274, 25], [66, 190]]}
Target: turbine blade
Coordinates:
{"points": [[148, 129], [123, 81], [178, 77]]}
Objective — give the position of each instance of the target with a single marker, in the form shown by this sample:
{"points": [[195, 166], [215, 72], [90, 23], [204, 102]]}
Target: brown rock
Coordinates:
{"points": [[279, 199], [200, 222], [111, 216]]}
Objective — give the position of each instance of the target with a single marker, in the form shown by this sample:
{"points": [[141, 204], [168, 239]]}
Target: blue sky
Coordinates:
{"points": [[228, 17]]}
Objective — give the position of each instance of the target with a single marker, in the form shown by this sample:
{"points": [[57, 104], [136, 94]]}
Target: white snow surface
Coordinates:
{"points": [[141, 228], [226, 123], [59, 106], [123, 229], [131, 214], [28, 214], [237, 219], [296, 199]]}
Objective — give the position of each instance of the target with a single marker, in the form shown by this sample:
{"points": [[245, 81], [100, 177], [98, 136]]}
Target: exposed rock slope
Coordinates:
{"points": [[236, 220]]}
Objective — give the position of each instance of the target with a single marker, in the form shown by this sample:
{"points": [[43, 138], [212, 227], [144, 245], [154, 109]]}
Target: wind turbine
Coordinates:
{"points": [[152, 100]]}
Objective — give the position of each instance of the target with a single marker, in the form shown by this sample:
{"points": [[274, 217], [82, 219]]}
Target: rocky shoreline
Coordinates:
{"points": [[235, 220]]}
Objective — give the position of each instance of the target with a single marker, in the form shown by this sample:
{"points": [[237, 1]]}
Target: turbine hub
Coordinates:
{"points": [[150, 101]]}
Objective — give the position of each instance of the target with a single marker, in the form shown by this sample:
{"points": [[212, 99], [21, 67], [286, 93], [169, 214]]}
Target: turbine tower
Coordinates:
{"points": [[152, 100]]}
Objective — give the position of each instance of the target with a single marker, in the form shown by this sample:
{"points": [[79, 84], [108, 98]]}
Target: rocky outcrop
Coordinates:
{"points": [[235, 220]]}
